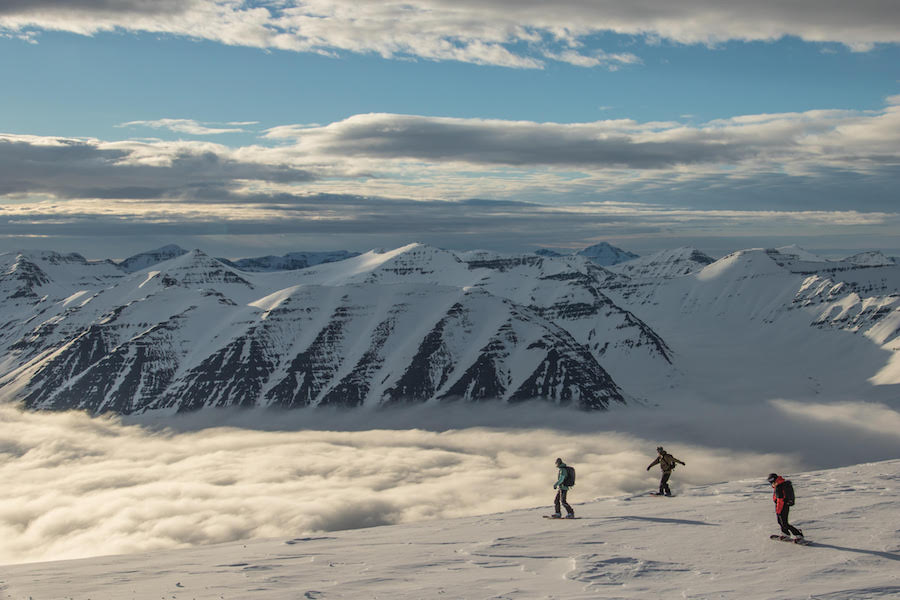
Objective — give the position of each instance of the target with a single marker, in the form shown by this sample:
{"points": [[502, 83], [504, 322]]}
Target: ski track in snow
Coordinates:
{"points": [[708, 542]]}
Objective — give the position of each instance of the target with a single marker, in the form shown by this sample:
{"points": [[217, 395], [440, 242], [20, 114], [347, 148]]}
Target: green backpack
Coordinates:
{"points": [[569, 481]]}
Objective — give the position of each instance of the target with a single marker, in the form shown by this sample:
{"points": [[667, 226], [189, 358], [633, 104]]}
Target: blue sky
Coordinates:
{"points": [[245, 127]]}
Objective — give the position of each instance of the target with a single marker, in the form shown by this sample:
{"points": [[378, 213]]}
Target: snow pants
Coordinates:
{"points": [[786, 528], [664, 483], [561, 499]]}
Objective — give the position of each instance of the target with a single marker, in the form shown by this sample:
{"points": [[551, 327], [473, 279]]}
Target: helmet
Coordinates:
{"points": [[659, 449], [772, 477], [559, 461]]}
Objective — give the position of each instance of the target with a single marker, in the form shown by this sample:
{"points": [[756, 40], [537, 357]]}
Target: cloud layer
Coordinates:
{"points": [[455, 158], [86, 168], [521, 34], [76, 486], [799, 141], [409, 177]]}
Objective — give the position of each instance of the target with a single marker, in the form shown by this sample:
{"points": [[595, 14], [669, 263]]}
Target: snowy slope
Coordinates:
{"points": [[747, 325], [707, 542]]}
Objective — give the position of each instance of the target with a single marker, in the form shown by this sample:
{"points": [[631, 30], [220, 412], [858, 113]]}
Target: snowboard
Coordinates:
{"points": [[784, 538], [560, 518], [663, 495]]}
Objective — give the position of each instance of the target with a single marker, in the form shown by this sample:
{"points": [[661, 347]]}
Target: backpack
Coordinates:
{"points": [[570, 476], [787, 490], [667, 461]]}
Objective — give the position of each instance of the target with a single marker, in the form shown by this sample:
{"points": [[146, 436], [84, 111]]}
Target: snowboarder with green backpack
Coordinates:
{"points": [[667, 463], [564, 482]]}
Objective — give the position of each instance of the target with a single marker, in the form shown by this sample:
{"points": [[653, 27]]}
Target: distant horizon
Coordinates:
{"points": [[825, 253]]}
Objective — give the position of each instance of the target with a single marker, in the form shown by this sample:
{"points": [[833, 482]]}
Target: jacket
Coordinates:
{"points": [[563, 472], [778, 496], [666, 462]]}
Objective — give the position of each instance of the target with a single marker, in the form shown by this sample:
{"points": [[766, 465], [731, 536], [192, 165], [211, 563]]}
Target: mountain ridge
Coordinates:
{"points": [[424, 324]]}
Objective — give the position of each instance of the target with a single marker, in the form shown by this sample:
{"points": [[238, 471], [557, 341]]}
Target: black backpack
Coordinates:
{"points": [[787, 491], [570, 476]]}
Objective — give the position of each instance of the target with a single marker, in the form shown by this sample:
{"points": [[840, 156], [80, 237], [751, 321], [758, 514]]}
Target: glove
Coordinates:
{"points": [[648, 468], [554, 486]]}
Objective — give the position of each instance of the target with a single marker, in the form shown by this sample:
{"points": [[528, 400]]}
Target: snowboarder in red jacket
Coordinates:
{"points": [[783, 496]]}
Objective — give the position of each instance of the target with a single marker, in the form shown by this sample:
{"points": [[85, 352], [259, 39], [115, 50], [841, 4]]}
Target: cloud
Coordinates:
{"points": [[802, 141], [85, 168], [510, 33], [855, 154], [612, 62], [396, 178], [187, 126], [76, 486], [363, 222]]}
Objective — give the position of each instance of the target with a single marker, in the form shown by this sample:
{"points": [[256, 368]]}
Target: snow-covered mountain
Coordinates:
{"points": [[871, 259], [709, 541], [552, 252], [421, 324], [410, 325], [289, 262], [756, 315], [664, 265], [605, 254], [150, 258]]}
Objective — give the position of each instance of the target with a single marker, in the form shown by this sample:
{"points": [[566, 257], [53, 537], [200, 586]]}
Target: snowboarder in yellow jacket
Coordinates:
{"points": [[667, 463]]}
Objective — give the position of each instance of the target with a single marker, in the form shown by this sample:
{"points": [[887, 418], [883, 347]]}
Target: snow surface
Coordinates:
{"points": [[709, 541]]}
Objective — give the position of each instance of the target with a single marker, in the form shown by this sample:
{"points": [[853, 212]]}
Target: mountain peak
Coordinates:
{"points": [[292, 261], [149, 258], [605, 254], [795, 251], [873, 258], [665, 264]]}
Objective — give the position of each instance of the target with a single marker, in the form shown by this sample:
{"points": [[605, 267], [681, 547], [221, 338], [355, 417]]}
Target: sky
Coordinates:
{"points": [[263, 127]]}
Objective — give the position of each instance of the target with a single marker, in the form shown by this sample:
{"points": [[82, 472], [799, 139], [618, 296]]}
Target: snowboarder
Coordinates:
{"points": [[666, 462], [562, 485], [783, 496]]}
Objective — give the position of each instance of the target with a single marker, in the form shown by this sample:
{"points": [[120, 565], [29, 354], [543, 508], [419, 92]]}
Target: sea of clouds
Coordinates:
{"points": [[76, 486]]}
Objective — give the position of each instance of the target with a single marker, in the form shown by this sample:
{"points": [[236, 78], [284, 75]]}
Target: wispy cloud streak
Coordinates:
{"points": [[484, 32], [189, 126]]}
